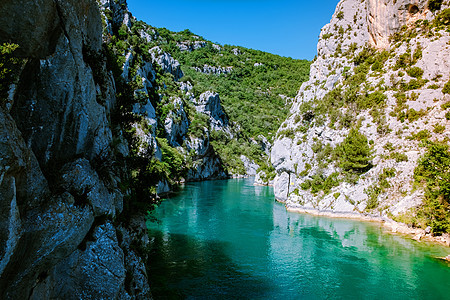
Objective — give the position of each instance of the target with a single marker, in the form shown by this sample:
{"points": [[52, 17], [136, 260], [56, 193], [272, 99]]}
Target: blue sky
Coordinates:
{"points": [[284, 27]]}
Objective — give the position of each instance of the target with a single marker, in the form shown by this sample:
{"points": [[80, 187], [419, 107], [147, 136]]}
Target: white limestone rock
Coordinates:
{"points": [[249, 165], [209, 104], [166, 62], [363, 24], [176, 124]]}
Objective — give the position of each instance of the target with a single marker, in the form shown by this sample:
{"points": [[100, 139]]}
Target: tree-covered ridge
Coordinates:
{"points": [[253, 85], [174, 72]]}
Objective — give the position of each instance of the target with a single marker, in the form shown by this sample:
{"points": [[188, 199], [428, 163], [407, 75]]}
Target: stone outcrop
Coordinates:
{"points": [[209, 104], [207, 69], [250, 166], [358, 25], [191, 45], [166, 62], [385, 19], [207, 167], [59, 195]]}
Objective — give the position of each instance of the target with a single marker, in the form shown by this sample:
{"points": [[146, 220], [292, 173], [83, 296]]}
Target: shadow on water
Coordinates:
{"points": [[188, 268]]}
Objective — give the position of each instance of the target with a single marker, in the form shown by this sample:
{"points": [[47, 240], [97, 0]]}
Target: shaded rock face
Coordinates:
{"points": [[250, 166], [37, 25], [120, 14], [176, 124], [58, 201], [208, 167], [79, 275]]}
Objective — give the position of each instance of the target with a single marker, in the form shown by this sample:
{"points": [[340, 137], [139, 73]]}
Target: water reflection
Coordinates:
{"points": [[228, 239]]}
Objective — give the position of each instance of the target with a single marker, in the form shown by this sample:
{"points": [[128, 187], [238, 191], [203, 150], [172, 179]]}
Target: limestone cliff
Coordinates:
{"points": [[97, 120], [380, 70], [62, 235]]}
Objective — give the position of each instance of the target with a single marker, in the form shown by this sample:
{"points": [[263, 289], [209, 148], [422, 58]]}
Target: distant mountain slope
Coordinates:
{"points": [[217, 106]]}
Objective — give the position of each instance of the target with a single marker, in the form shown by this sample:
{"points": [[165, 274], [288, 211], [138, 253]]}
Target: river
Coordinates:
{"points": [[230, 240]]}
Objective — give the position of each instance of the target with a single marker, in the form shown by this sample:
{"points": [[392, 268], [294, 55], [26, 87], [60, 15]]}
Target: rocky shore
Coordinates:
{"points": [[389, 225]]}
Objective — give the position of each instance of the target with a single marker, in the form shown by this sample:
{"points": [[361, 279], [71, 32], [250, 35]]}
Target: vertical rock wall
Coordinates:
{"points": [[59, 207]]}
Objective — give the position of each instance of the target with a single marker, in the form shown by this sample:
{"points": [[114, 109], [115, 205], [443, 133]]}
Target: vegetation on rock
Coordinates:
{"points": [[9, 64], [433, 172]]}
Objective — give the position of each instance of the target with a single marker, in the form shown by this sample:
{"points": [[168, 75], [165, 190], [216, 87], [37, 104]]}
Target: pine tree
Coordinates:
{"points": [[355, 153]]}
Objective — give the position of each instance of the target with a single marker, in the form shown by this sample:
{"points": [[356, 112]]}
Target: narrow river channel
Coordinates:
{"points": [[229, 240]]}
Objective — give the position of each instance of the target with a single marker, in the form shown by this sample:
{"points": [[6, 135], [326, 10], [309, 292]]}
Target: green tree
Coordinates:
{"points": [[433, 171], [354, 152]]}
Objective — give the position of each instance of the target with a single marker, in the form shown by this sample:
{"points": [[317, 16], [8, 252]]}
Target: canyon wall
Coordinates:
{"points": [[62, 232], [380, 74]]}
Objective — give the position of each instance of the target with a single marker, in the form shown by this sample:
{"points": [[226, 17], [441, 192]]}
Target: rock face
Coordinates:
{"points": [[207, 69], [209, 104], [176, 124], [250, 166], [166, 62], [59, 199], [301, 151]]}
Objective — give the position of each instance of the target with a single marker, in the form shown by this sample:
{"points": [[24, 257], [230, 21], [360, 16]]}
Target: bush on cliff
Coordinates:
{"points": [[354, 153], [433, 172], [8, 66], [434, 5]]}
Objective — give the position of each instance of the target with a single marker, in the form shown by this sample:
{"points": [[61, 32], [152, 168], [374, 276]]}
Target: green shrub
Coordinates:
{"points": [[319, 182], [388, 146], [399, 157], [269, 171], [8, 67], [438, 128], [446, 89], [433, 172], [434, 5], [413, 84], [415, 72], [354, 153], [375, 99], [444, 17], [388, 173], [403, 61], [445, 105], [433, 86], [421, 135], [373, 192], [413, 115]]}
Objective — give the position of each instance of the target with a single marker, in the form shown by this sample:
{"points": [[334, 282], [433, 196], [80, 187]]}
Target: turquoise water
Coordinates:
{"points": [[230, 240]]}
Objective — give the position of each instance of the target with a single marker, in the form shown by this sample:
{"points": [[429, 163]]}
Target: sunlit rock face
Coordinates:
{"points": [[299, 153], [387, 17]]}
